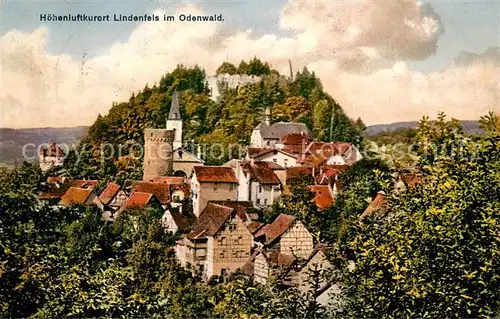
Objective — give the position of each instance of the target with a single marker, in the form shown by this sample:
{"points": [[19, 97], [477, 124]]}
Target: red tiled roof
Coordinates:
{"points": [[295, 139], [261, 173], [81, 183], [276, 228], [377, 206], [109, 193], [326, 149], [254, 226], [210, 220], [52, 150], [328, 176], [76, 195], [171, 180], [298, 171], [323, 198], [180, 220], [215, 174], [255, 151], [271, 165], [241, 207], [138, 199], [160, 190], [295, 143]]}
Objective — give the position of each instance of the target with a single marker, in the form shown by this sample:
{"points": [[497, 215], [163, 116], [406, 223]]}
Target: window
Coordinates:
{"points": [[232, 227], [224, 272], [275, 160], [215, 186], [223, 254], [177, 198], [260, 189], [265, 201], [258, 201], [286, 162], [240, 240], [222, 241]]}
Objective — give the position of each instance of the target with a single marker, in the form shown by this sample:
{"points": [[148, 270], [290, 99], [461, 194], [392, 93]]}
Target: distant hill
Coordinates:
{"points": [[12, 141], [471, 127]]}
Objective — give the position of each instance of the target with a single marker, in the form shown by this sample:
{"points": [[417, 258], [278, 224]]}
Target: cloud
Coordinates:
{"points": [[359, 49]]}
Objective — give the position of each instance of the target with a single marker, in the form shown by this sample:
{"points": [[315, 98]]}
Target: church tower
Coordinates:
{"points": [[174, 121]]}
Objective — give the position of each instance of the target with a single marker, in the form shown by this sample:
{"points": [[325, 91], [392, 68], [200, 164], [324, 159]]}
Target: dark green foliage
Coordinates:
{"points": [[112, 148], [437, 254], [68, 262], [226, 68]]}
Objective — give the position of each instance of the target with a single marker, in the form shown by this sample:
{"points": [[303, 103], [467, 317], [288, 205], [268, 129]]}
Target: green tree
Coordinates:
{"points": [[226, 68], [437, 256], [490, 122]]}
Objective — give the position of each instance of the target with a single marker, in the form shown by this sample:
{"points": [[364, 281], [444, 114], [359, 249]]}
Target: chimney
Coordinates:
{"points": [[198, 151]]}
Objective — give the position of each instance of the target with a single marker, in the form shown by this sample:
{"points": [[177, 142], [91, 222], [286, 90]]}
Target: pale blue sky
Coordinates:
{"points": [[471, 25]]}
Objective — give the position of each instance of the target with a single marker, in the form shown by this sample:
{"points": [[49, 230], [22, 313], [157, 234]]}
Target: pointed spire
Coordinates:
{"points": [[175, 113]]}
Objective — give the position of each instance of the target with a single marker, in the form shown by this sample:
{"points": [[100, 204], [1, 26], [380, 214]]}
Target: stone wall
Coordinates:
{"points": [[158, 155], [206, 192], [232, 81]]}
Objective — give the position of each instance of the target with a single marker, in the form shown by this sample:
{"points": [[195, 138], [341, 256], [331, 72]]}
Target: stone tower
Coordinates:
{"points": [[158, 153], [174, 121]]}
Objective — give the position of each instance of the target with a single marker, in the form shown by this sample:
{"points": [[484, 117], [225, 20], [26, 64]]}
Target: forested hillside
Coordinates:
{"points": [[228, 120], [433, 253]]}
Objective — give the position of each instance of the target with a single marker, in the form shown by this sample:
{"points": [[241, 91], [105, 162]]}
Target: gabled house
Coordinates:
{"points": [[113, 196], [51, 156], [141, 200], [76, 195], [266, 134], [294, 143], [110, 200], [160, 190], [185, 161], [212, 183], [219, 243], [286, 235], [272, 155], [174, 220], [258, 183], [333, 153], [84, 183], [267, 264]]}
